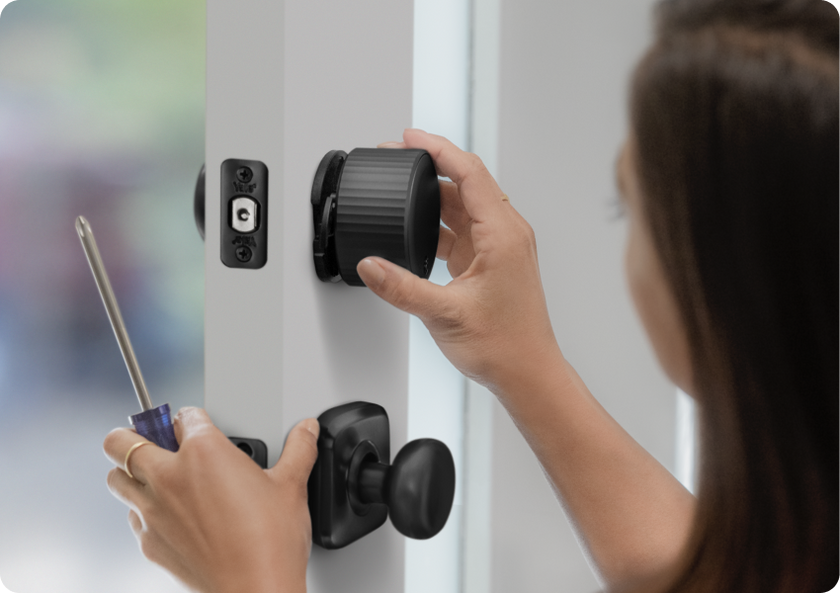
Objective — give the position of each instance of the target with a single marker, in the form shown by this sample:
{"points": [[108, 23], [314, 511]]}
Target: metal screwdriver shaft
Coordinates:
{"points": [[113, 310], [155, 424]]}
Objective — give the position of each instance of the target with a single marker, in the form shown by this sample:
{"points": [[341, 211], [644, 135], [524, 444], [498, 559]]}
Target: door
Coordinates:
{"points": [[286, 83]]}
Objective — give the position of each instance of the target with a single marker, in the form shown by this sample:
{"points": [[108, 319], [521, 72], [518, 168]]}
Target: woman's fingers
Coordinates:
{"points": [[156, 549], [452, 211], [446, 241], [456, 250], [480, 193], [299, 455], [134, 521], [190, 518], [188, 423], [126, 490], [404, 290], [117, 444], [461, 256], [193, 422]]}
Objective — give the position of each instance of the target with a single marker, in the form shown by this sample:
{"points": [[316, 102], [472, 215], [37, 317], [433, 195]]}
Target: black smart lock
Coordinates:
{"points": [[354, 485], [375, 201]]}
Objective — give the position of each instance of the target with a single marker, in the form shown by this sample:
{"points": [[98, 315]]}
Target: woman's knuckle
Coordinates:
{"points": [[522, 233], [476, 165], [202, 448], [530, 234]]}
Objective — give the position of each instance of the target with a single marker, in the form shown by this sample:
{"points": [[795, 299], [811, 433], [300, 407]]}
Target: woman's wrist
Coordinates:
{"points": [[533, 369], [264, 581]]}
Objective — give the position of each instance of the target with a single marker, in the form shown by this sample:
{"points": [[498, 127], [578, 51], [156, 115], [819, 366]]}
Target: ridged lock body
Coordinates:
{"points": [[388, 205]]}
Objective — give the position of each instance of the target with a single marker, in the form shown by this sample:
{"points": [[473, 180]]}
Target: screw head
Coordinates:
{"points": [[244, 174], [243, 254]]}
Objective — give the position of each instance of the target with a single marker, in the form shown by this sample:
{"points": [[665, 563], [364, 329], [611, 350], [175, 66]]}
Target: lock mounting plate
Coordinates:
{"points": [[348, 433]]}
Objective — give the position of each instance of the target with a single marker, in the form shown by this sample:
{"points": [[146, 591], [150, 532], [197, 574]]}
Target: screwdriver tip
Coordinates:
{"points": [[82, 226]]}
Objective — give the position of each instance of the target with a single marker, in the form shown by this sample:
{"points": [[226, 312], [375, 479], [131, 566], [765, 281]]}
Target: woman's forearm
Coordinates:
{"points": [[631, 514], [492, 323]]}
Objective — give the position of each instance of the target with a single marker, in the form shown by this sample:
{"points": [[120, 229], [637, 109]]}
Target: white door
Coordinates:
{"points": [[286, 83]]}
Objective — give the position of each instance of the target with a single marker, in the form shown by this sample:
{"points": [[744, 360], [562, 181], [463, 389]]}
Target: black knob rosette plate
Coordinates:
{"points": [[354, 487], [375, 202]]}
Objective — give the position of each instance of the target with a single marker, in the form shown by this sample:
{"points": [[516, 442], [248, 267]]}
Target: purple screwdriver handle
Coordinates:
{"points": [[156, 426]]}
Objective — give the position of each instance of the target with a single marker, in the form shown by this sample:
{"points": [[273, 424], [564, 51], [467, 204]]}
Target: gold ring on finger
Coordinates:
{"points": [[134, 447]]}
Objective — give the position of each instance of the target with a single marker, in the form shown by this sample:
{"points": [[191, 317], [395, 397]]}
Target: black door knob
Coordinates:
{"points": [[375, 201], [353, 486], [418, 487]]}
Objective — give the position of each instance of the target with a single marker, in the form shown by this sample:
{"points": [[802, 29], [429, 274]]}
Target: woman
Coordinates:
{"points": [[729, 176]]}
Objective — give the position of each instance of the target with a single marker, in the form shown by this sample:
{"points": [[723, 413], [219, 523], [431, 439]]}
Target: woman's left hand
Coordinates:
{"points": [[209, 515]]}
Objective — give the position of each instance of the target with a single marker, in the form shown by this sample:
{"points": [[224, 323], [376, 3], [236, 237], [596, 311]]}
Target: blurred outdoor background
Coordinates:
{"points": [[101, 114]]}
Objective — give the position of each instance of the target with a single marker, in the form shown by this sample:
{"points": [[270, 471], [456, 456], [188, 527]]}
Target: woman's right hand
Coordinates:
{"points": [[491, 321]]}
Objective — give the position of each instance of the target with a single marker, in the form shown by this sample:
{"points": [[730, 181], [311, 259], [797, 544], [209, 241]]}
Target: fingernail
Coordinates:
{"points": [[374, 272], [388, 145], [414, 130], [311, 424]]}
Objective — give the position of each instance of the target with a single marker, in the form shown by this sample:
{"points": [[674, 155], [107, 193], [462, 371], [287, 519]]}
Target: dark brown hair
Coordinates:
{"points": [[734, 116]]}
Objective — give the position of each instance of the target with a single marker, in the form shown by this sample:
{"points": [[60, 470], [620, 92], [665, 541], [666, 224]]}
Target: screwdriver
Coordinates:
{"points": [[155, 424]]}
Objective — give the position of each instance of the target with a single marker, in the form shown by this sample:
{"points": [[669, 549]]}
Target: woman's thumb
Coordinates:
{"points": [[299, 455], [401, 288]]}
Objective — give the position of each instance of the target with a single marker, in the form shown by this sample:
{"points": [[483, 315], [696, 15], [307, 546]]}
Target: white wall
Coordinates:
{"points": [[564, 71]]}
